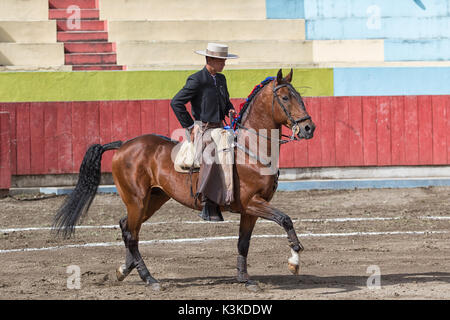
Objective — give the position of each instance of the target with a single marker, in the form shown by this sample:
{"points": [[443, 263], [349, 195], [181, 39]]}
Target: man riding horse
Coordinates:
{"points": [[207, 92]]}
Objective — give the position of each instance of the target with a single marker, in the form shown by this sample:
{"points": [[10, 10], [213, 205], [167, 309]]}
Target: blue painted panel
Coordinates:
{"points": [[318, 9], [284, 9], [417, 50], [391, 81], [360, 184], [362, 28]]}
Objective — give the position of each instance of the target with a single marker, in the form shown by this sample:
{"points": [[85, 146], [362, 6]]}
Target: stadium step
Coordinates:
{"points": [[99, 67], [82, 4], [81, 25], [88, 14], [68, 36], [90, 58], [89, 47]]}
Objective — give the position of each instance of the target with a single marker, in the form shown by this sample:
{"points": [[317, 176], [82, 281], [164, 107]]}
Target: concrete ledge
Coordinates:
{"points": [[30, 54], [181, 10], [209, 30], [354, 51], [304, 185], [167, 52], [28, 31], [24, 10]]}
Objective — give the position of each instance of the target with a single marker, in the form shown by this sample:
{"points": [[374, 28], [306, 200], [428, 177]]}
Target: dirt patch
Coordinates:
{"points": [[334, 264]]}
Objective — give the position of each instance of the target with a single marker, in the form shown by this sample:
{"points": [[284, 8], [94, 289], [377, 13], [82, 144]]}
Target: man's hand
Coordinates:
{"points": [[231, 113]]}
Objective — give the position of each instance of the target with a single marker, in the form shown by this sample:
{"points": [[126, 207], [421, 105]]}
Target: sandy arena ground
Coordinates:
{"points": [[334, 264]]}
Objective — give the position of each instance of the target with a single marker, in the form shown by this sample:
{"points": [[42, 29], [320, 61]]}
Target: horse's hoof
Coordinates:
{"points": [[155, 286], [294, 268], [252, 286], [242, 277], [120, 273]]}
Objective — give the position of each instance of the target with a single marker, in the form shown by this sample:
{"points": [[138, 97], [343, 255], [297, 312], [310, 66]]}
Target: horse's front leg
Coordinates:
{"points": [[261, 208]]}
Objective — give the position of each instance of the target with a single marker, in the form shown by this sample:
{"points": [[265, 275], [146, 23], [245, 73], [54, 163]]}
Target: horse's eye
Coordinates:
{"points": [[285, 98]]}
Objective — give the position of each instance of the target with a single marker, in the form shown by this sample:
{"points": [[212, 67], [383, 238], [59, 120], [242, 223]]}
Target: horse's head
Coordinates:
{"points": [[288, 108]]}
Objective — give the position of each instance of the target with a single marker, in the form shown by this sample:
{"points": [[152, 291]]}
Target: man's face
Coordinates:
{"points": [[216, 63]]}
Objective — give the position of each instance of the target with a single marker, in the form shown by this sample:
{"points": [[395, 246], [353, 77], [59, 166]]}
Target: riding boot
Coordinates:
{"points": [[211, 211]]}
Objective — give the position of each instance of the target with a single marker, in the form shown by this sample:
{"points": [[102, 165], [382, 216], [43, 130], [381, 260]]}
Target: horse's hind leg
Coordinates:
{"points": [[130, 233]]}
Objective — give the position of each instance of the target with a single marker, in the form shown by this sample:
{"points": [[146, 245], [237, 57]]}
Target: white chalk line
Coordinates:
{"points": [[348, 219], [148, 242]]}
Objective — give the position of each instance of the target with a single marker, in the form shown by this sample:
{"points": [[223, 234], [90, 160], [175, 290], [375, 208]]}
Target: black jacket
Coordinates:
{"points": [[210, 102]]}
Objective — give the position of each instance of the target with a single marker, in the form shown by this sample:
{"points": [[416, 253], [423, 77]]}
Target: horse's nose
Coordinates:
{"points": [[307, 130]]}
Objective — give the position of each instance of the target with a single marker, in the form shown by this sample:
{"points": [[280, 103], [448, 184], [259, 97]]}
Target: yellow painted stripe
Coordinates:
{"points": [[141, 85]]}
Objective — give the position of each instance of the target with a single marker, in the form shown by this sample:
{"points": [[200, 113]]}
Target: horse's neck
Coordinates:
{"points": [[259, 117], [259, 128]]}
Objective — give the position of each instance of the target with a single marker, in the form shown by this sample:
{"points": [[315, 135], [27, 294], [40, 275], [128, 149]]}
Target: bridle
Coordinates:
{"points": [[294, 123]]}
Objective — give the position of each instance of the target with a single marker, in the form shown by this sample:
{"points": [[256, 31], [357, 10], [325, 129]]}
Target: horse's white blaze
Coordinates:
{"points": [[295, 258]]}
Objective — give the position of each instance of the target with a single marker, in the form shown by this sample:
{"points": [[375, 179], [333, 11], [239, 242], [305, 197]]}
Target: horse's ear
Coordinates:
{"points": [[288, 78], [279, 76]]}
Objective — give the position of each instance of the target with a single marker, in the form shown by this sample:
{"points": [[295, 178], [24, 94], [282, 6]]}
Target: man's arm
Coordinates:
{"points": [[178, 103], [229, 106]]}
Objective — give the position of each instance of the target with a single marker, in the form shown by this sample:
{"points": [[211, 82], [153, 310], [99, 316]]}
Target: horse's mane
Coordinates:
{"points": [[252, 94]]}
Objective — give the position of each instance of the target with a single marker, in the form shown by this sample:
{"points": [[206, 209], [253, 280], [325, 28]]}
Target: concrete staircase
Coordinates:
{"points": [[28, 38], [84, 35]]}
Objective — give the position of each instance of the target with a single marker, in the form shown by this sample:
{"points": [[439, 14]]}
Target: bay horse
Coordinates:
{"points": [[145, 178]]}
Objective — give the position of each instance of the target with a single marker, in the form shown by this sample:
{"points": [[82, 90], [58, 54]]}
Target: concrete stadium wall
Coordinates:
{"points": [[24, 10], [323, 9], [181, 10]]}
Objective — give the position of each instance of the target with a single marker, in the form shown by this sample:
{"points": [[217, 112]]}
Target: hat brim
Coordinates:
{"points": [[229, 56]]}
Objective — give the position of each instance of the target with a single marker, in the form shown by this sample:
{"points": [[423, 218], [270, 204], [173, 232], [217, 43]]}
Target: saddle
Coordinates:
{"points": [[186, 160]]}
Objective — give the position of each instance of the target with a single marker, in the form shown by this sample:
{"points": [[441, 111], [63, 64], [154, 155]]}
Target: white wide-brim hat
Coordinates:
{"points": [[217, 50]]}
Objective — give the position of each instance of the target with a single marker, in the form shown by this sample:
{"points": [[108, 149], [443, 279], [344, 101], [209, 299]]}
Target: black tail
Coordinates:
{"points": [[80, 199]]}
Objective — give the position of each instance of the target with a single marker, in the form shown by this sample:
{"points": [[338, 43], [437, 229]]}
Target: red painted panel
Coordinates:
{"points": [[342, 131], [355, 135], [37, 137], [314, 144], [369, 107], [411, 131], [23, 138], [425, 114], [287, 151], [439, 129], [11, 109], [119, 120], [328, 140], [78, 133], [50, 143], [133, 119], [64, 137], [384, 131], [161, 118], [448, 128], [174, 125], [92, 123], [5, 151], [148, 116], [398, 154], [105, 115]]}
